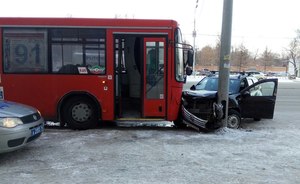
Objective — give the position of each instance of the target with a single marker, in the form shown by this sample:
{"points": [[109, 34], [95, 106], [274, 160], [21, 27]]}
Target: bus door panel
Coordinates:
{"points": [[154, 92]]}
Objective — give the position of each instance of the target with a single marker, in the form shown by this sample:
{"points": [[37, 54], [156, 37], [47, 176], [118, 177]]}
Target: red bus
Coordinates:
{"points": [[81, 71]]}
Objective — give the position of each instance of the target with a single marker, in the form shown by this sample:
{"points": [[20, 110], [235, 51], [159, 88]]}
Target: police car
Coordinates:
{"points": [[19, 125]]}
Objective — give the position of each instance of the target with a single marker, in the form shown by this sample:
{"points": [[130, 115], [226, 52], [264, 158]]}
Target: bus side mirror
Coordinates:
{"points": [[188, 71], [190, 58]]}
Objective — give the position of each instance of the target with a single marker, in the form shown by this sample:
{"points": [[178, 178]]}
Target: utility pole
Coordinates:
{"points": [[224, 67], [194, 38]]}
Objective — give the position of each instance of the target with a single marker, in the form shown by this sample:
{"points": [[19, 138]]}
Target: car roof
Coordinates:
{"points": [[231, 76]]}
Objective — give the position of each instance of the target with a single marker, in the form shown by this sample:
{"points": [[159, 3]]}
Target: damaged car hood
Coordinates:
{"points": [[200, 93]]}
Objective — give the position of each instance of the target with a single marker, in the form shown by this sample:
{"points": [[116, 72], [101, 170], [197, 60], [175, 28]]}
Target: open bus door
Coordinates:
{"points": [[140, 77], [154, 82]]}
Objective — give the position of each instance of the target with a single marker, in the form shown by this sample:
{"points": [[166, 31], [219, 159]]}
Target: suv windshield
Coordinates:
{"points": [[211, 84]]}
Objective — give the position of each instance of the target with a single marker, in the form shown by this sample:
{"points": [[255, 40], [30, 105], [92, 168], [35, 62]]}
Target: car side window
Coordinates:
{"points": [[268, 88], [201, 85], [256, 91], [250, 82], [263, 89]]}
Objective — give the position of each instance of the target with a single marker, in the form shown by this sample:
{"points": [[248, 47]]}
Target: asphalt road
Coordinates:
{"points": [[261, 152]]}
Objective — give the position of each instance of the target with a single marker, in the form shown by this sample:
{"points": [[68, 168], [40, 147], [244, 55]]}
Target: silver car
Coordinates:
{"points": [[19, 125]]}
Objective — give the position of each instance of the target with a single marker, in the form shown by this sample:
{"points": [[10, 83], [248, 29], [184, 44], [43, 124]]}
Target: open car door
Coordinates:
{"points": [[258, 100]]}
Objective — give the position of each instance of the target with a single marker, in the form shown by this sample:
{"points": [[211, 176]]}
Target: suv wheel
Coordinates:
{"points": [[234, 119]]}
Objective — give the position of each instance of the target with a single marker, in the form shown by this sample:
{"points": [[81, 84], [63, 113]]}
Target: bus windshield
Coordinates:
{"points": [[179, 63]]}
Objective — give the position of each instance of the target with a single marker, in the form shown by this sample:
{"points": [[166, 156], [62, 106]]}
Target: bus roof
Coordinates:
{"points": [[85, 22]]}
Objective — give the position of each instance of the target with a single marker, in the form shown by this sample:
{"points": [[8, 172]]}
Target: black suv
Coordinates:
{"points": [[248, 98]]}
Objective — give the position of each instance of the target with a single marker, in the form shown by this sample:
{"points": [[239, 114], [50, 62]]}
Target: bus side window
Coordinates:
{"points": [[69, 69], [78, 51]]}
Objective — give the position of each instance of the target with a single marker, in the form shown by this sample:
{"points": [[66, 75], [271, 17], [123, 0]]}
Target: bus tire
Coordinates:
{"points": [[80, 113]]}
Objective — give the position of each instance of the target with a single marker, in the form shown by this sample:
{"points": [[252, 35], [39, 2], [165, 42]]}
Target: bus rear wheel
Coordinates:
{"points": [[80, 113]]}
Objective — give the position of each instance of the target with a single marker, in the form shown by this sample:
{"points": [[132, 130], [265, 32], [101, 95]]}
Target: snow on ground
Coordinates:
{"points": [[259, 153]]}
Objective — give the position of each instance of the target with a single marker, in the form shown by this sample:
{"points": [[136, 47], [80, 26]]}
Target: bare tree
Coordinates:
{"points": [[267, 57], [255, 55], [293, 53], [210, 56], [239, 56], [206, 56]]}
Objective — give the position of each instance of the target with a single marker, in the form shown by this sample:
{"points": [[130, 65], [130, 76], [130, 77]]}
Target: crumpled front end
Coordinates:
{"points": [[200, 110]]}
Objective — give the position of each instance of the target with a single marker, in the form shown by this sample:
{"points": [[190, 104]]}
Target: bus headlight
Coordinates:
{"points": [[10, 122]]}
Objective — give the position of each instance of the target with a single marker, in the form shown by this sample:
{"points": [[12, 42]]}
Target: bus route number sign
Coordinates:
{"points": [[24, 50]]}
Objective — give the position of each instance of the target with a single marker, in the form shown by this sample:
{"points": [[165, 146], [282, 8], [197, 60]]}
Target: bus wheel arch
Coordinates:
{"points": [[79, 110]]}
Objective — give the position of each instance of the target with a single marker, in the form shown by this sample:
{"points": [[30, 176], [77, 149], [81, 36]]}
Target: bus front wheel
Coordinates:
{"points": [[80, 113]]}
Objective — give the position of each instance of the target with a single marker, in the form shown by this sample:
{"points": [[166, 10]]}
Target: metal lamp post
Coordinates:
{"points": [[194, 38], [224, 66]]}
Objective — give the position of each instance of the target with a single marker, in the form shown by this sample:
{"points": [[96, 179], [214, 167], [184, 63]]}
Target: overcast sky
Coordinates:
{"points": [[256, 23]]}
